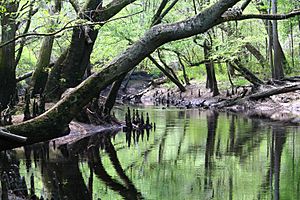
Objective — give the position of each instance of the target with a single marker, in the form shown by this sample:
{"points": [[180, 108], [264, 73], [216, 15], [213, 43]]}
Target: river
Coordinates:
{"points": [[190, 155]]}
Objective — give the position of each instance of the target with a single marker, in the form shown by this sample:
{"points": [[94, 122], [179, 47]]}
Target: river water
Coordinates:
{"points": [[191, 155]]}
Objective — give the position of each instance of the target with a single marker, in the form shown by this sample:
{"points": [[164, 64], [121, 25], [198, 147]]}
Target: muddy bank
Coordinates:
{"points": [[284, 107]]}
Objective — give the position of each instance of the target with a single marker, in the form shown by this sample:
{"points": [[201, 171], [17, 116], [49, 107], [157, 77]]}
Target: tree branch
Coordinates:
{"points": [[261, 16], [67, 26], [156, 18], [245, 4], [75, 5], [54, 122], [160, 17], [23, 41]]}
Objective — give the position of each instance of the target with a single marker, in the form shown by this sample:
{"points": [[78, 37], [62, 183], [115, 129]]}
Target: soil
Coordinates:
{"points": [[282, 107]]}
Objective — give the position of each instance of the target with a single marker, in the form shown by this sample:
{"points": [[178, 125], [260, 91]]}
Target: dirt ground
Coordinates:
{"points": [[282, 107]]}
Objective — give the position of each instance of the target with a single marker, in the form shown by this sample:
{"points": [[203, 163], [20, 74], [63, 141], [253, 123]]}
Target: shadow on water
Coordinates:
{"points": [[191, 155]]}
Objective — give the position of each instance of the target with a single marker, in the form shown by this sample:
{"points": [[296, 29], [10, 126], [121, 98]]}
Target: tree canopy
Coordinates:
{"points": [[60, 40]]}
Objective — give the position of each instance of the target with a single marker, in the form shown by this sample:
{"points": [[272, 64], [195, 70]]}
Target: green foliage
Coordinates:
{"points": [[27, 62], [2, 9], [228, 39]]}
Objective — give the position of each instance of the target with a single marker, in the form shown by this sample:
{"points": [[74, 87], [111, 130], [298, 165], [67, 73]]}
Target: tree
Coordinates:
{"points": [[211, 81], [7, 53], [40, 75], [278, 58], [54, 122], [274, 43], [69, 69]]}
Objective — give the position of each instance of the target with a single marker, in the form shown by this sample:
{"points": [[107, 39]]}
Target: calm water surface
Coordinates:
{"points": [[191, 155]]}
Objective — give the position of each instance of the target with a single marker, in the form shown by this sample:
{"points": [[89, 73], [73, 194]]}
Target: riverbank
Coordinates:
{"points": [[284, 107]]}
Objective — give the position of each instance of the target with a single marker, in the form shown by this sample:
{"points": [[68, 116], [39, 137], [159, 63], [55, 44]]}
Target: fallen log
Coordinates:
{"points": [[274, 91], [257, 96]]}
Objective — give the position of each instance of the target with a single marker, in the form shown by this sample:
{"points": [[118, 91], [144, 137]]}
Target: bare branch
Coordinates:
{"points": [[24, 76], [156, 18], [75, 5], [159, 18], [23, 41], [245, 4], [261, 16]]}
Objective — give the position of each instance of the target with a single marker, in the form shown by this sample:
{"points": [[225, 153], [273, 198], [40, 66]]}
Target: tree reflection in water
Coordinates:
{"points": [[192, 155], [128, 190]]}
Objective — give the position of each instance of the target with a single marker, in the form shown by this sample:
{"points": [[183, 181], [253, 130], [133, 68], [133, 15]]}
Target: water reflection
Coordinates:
{"points": [[128, 190], [191, 155]]}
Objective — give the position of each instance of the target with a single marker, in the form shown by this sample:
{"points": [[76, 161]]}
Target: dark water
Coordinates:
{"points": [[191, 155]]}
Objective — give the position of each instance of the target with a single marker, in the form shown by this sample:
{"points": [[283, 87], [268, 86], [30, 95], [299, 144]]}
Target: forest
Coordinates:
{"points": [[66, 64], [57, 56]]}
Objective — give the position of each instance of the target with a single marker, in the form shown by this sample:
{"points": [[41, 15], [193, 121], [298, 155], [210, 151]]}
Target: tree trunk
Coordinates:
{"points": [[54, 122], [69, 73], [259, 95], [270, 46], [269, 27], [40, 75], [256, 53], [113, 93], [292, 44], [185, 76], [7, 55], [167, 74], [246, 73], [278, 59], [211, 81]]}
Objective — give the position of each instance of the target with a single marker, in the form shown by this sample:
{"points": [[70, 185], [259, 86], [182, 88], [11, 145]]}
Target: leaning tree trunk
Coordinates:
{"points": [[256, 53], [211, 81], [7, 55], [69, 72], [40, 75], [54, 122], [167, 74], [247, 74]]}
